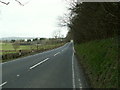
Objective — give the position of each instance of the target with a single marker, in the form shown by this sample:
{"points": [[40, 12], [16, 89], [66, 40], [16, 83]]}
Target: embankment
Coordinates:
{"points": [[99, 58]]}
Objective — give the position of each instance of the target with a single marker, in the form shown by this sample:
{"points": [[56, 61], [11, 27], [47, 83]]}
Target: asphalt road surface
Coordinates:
{"points": [[57, 68]]}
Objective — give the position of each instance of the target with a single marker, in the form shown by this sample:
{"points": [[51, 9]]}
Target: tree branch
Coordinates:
{"points": [[5, 2], [19, 2], [16, 1]]}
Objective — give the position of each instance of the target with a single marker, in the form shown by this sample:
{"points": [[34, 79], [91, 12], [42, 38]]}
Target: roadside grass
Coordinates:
{"points": [[99, 59], [8, 52]]}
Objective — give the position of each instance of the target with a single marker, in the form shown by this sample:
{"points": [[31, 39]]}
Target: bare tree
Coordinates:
{"points": [[16, 45], [57, 34]]}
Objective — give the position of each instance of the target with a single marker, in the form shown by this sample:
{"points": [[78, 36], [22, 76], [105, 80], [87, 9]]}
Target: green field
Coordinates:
{"points": [[99, 58], [8, 53], [8, 47]]}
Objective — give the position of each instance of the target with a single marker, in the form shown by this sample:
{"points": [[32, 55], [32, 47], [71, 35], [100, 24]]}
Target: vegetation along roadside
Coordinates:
{"points": [[100, 62]]}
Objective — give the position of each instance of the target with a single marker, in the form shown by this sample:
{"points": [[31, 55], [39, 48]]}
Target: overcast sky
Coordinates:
{"points": [[38, 18]]}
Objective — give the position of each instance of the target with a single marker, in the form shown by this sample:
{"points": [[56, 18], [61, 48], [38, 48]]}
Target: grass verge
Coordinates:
{"points": [[99, 59]]}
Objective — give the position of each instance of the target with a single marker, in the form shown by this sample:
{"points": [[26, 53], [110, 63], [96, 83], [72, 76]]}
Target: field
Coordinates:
{"points": [[99, 58], [9, 53], [8, 47]]}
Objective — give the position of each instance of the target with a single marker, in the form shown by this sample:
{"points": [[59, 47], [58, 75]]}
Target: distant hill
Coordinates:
{"points": [[15, 38]]}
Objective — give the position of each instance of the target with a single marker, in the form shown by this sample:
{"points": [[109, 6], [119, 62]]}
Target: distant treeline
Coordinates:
{"points": [[93, 20]]}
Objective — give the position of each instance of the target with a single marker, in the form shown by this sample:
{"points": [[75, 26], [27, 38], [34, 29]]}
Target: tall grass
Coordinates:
{"points": [[99, 59]]}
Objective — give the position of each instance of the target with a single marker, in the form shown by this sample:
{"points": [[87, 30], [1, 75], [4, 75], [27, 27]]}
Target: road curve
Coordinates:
{"points": [[57, 68]]}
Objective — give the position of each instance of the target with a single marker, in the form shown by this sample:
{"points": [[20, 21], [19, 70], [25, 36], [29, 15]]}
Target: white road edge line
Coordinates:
{"points": [[56, 54], [73, 75], [39, 63], [80, 85], [3, 84], [74, 49]]}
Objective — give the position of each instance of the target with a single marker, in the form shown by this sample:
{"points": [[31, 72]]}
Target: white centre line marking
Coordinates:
{"points": [[3, 84], [56, 54], [73, 75], [39, 63]]}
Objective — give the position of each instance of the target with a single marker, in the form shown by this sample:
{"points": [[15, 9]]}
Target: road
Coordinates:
{"points": [[57, 68]]}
